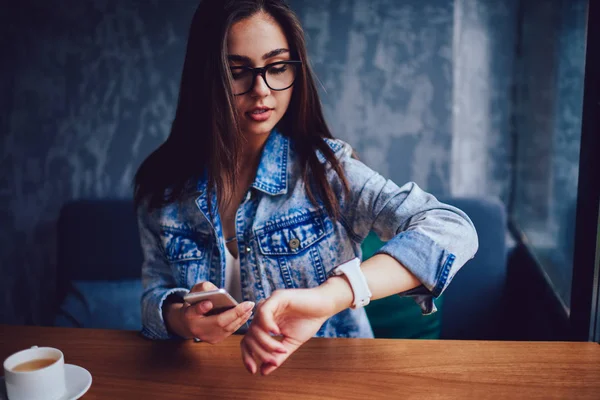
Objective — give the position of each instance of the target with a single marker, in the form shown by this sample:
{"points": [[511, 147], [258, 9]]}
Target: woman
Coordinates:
{"points": [[251, 192]]}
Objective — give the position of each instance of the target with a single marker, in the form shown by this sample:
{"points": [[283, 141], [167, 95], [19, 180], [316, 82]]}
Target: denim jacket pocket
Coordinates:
{"points": [[291, 249], [188, 253]]}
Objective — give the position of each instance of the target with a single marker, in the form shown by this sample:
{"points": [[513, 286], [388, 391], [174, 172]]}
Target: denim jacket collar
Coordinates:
{"points": [[272, 174]]}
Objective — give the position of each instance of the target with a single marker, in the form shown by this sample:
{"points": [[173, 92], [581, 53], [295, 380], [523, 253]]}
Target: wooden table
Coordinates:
{"points": [[126, 366]]}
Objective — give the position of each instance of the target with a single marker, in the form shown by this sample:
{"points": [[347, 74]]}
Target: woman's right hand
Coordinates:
{"points": [[190, 321]]}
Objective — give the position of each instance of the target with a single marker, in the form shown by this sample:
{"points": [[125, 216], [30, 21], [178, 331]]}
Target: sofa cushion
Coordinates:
{"points": [[474, 303], [102, 305], [98, 240]]}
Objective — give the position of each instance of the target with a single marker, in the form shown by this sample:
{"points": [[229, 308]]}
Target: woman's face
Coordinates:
{"points": [[256, 42]]}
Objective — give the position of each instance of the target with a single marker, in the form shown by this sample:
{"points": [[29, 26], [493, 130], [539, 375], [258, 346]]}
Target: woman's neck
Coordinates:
{"points": [[253, 149]]}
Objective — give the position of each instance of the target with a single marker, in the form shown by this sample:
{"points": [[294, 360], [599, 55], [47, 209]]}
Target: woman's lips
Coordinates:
{"points": [[260, 115]]}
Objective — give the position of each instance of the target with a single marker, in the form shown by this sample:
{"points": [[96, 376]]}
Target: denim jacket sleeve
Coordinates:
{"points": [[157, 279], [431, 239]]}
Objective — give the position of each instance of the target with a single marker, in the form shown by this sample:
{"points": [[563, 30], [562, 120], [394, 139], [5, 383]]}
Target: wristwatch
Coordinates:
{"points": [[358, 282]]}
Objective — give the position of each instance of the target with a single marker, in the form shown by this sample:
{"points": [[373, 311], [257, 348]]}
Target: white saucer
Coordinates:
{"points": [[78, 382]]}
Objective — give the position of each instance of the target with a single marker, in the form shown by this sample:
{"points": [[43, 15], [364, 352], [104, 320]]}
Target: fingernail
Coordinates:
{"points": [[204, 307], [264, 370], [248, 306]]}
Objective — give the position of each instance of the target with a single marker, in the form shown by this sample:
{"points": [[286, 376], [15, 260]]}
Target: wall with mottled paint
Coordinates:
{"points": [[420, 89], [485, 33], [90, 89], [386, 70]]}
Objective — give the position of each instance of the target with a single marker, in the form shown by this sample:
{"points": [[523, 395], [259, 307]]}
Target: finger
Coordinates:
{"points": [[230, 316], [260, 355], [264, 317], [291, 346], [266, 369], [237, 324], [266, 341], [247, 358], [203, 287], [203, 307]]}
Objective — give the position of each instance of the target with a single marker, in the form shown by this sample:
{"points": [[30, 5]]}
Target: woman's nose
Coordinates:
{"points": [[260, 87]]}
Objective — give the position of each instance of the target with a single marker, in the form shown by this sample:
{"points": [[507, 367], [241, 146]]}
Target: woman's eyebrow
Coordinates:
{"points": [[266, 56], [274, 53], [238, 58]]}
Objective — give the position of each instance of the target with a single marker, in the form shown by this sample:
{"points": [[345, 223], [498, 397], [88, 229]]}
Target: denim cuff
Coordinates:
{"points": [[428, 262], [154, 326], [423, 297]]}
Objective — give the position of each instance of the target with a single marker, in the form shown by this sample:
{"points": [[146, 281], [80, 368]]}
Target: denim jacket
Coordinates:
{"points": [[286, 242]]}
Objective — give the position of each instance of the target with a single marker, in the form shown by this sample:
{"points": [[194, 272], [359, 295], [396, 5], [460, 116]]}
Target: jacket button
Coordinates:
{"points": [[294, 243], [248, 249]]}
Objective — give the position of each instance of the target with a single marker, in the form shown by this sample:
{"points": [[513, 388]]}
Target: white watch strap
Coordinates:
{"points": [[358, 282]]}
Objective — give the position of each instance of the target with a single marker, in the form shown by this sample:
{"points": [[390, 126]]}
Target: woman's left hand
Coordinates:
{"points": [[294, 314]]}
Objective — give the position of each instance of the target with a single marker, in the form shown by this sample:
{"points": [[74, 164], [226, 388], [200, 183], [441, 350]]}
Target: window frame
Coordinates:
{"points": [[585, 286], [582, 318]]}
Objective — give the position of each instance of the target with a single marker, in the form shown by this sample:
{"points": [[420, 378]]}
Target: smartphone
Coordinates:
{"points": [[221, 300]]}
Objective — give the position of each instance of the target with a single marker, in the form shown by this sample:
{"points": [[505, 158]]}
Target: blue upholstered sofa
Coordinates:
{"points": [[99, 261]]}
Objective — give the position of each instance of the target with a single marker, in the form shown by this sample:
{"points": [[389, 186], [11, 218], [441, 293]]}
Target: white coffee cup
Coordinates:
{"points": [[47, 383]]}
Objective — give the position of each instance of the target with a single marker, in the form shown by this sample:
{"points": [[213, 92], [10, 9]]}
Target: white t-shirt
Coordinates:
{"points": [[233, 282]]}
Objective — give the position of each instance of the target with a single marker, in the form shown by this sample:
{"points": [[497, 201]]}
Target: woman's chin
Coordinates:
{"points": [[257, 131]]}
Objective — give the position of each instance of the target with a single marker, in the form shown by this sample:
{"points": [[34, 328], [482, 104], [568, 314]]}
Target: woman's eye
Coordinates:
{"points": [[238, 74], [280, 70]]}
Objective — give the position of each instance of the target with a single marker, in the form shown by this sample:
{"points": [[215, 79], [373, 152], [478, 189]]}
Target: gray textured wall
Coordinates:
{"points": [[89, 90], [386, 69], [421, 89], [483, 67]]}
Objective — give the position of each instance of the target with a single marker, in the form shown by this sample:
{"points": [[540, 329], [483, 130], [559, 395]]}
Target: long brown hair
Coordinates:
{"points": [[205, 137]]}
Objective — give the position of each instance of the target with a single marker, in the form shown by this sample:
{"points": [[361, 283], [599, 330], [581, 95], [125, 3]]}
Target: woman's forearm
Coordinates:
{"points": [[385, 276]]}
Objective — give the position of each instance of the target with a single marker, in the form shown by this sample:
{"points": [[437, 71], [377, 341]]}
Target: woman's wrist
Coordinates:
{"points": [[339, 293], [172, 316]]}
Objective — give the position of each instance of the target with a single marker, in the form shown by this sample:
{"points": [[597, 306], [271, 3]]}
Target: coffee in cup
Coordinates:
{"points": [[34, 365], [37, 373]]}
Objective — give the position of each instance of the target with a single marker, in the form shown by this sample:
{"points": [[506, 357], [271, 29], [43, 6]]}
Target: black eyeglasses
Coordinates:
{"points": [[278, 76]]}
